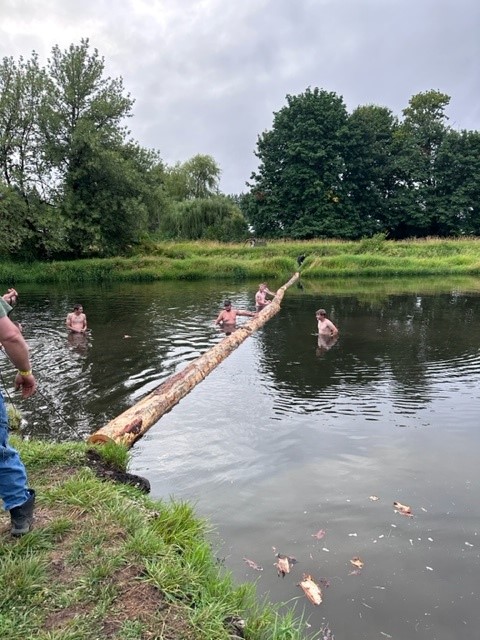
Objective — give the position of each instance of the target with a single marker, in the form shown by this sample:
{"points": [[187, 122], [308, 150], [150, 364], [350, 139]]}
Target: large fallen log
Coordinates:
{"points": [[135, 421]]}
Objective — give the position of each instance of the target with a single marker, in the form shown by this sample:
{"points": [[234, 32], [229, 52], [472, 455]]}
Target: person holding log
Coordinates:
{"points": [[227, 318], [11, 297], [17, 497], [261, 296]]}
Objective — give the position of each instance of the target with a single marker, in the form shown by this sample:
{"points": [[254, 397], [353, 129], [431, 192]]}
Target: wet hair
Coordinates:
{"points": [[321, 312], [227, 303], [77, 306]]}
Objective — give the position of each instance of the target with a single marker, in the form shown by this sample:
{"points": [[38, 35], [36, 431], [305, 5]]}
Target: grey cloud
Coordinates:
{"points": [[207, 76]]}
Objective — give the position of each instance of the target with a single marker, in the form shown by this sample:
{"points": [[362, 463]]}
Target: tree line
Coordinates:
{"points": [[72, 181], [324, 172]]}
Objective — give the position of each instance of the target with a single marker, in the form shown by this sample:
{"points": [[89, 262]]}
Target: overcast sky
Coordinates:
{"points": [[207, 75]]}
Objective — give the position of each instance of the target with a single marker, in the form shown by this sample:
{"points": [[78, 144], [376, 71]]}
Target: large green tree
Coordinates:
{"points": [[369, 177], [297, 188], [457, 207], [417, 143]]}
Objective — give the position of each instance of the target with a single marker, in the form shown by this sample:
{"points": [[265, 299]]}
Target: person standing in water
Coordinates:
{"points": [[325, 326], [77, 321], [228, 316], [261, 296], [327, 331]]}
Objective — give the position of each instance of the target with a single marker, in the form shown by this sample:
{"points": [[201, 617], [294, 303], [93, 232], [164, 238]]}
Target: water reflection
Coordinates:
{"points": [[78, 342], [280, 441], [325, 343]]}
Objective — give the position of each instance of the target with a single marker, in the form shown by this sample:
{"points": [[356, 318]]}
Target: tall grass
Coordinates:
{"points": [[202, 260]]}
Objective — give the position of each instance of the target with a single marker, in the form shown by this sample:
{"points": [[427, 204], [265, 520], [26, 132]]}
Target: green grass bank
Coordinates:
{"points": [[372, 257], [104, 561]]}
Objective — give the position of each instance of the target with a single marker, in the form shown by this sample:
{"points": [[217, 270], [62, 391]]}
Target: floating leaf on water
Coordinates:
{"points": [[253, 565], [404, 509], [320, 534], [357, 562], [125, 336], [311, 589], [284, 564], [374, 498], [468, 544]]}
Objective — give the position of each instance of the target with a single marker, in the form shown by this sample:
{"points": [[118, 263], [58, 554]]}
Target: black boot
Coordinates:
{"points": [[22, 517]]}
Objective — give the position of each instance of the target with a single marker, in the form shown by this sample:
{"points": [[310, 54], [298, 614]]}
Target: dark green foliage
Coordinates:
{"points": [[71, 182], [325, 173], [296, 188]]}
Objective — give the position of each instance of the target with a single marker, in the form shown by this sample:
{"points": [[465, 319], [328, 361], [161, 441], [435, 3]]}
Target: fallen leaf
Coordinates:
{"points": [[311, 589], [357, 562], [374, 498], [320, 534], [253, 565], [284, 564], [403, 509], [125, 336]]}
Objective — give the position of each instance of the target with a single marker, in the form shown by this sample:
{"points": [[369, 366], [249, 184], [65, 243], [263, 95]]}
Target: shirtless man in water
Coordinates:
{"points": [[326, 328], [261, 296], [77, 320], [228, 317]]}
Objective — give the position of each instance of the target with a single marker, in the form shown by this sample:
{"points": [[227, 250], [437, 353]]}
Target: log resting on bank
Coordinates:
{"points": [[134, 422]]}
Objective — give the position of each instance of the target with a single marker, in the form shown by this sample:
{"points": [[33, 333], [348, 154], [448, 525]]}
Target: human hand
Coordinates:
{"points": [[27, 385]]}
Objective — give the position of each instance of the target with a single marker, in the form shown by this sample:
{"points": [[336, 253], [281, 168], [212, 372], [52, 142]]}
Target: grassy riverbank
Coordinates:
{"points": [[373, 257], [104, 561]]}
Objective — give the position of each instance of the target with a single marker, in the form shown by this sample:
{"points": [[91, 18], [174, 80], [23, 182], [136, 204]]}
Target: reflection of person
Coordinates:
{"points": [[326, 342], [17, 497], [228, 317], [261, 296], [77, 320], [78, 341], [325, 326]]}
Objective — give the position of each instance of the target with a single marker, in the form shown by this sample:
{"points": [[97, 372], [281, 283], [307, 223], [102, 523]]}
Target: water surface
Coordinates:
{"points": [[285, 438]]}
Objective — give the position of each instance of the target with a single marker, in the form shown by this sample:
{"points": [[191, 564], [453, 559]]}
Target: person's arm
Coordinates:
{"points": [[333, 328], [241, 312], [84, 323], [67, 321], [11, 296], [17, 350], [219, 318]]}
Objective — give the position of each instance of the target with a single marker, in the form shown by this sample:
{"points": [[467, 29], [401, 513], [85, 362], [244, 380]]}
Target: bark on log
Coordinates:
{"points": [[137, 420]]}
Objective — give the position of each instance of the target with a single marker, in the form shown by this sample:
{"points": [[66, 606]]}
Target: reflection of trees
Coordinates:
{"points": [[403, 339]]}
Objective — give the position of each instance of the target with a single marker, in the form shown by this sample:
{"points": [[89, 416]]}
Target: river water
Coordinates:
{"points": [[286, 439]]}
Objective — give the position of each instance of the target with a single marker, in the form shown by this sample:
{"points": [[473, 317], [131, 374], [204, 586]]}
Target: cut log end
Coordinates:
{"points": [[99, 438]]}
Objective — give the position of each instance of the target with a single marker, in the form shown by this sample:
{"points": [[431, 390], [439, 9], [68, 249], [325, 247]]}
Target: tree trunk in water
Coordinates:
{"points": [[134, 422]]}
